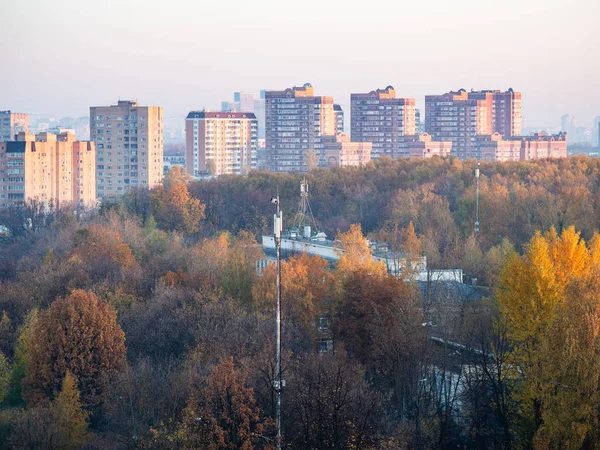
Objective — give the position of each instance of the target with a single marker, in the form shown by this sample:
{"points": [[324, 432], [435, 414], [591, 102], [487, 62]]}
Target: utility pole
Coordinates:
{"points": [[277, 382], [477, 201]]}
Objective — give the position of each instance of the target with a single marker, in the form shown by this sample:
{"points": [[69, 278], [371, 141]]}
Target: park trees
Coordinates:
{"points": [[78, 334]]}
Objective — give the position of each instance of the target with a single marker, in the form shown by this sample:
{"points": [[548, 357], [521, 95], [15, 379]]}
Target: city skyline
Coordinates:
{"points": [[545, 50]]}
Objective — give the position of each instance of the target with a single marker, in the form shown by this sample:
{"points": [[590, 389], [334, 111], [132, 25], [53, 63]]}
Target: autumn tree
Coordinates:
{"points": [[102, 252], [79, 334], [221, 414], [571, 379], [174, 209], [355, 254], [68, 414], [531, 291], [329, 405], [305, 288]]}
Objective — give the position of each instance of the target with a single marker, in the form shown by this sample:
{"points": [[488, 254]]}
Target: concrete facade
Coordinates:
{"points": [[339, 151], [129, 144], [11, 124], [48, 168], [382, 119], [295, 121], [221, 142], [423, 146], [461, 116]]}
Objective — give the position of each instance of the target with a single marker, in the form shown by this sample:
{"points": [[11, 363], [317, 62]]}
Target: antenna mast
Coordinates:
{"points": [[278, 382], [477, 201]]}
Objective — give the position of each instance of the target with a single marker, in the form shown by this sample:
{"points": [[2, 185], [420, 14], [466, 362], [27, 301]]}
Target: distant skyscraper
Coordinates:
{"points": [[129, 146], [339, 116], [244, 100], [221, 142], [419, 124], [11, 124], [295, 122], [461, 116], [229, 106], [259, 112], [382, 119], [568, 123], [48, 168]]}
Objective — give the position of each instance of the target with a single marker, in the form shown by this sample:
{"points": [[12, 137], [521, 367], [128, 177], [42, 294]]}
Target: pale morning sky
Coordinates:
{"points": [[58, 57]]}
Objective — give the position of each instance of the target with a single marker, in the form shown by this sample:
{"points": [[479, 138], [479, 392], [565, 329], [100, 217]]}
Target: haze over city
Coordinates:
{"points": [[61, 57]]}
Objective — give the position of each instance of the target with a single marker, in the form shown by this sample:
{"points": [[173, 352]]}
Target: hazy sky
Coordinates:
{"points": [[61, 56]]}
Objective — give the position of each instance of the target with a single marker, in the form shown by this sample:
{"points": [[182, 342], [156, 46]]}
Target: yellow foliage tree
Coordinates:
{"points": [[355, 254], [532, 289], [69, 416]]}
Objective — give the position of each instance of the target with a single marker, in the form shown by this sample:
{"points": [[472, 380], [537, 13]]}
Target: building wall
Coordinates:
{"points": [[423, 146], [382, 119], [46, 167], [224, 142], [461, 116], [295, 122], [11, 124], [339, 151], [129, 143]]}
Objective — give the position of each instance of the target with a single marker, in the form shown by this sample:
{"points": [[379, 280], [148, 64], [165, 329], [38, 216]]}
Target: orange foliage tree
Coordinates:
{"points": [[78, 334]]}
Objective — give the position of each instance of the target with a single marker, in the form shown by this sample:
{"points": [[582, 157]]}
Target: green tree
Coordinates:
{"points": [[4, 377]]}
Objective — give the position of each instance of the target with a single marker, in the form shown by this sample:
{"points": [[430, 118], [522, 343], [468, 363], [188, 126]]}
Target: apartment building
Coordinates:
{"points": [[422, 146], [339, 117], [383, 119], [522, 148], [11, 124], [461, 116], [129, 146], [48, 168], [340, 151], [221, 142], [296, 120]]}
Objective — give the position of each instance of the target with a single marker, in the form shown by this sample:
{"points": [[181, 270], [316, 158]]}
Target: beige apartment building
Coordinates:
{"points": [[383, 119], [461, 116], [129, 146], [339, 151], [522, 148], [48, 168], [11, 124], [221, 142], [423, 146], [296, 120]]}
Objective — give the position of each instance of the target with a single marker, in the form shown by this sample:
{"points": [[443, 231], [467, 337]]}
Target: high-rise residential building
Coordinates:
{"points": [[339, 117], [221, 142], [11, 124], [339, 151], [295, 121], [259, 112], [568, 124], [48, 168], [461, 116], [129, 146], [229, 106], [245, 101], [382, 119]]}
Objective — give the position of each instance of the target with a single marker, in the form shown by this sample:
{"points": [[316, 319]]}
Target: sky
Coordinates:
{"points": [[60, 57]]}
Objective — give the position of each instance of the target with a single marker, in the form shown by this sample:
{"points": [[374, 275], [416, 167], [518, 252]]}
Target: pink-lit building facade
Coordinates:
{"points": [[340, 151], [423, 146], [48, 168]]}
